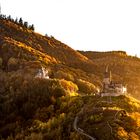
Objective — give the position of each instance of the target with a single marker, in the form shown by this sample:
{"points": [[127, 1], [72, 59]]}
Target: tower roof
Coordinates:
{"points": [[106, 69], [107, 73]]}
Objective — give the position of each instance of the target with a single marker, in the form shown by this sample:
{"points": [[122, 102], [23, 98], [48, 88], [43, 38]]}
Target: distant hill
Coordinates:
{"points": [[124, 68], [64, 103]]}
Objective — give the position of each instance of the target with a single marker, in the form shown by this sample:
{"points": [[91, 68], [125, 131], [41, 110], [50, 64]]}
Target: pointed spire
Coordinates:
{"points": [[108, 73], [110, 76], [106, 70]]}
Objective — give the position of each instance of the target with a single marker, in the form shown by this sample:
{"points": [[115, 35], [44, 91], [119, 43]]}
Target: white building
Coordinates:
{"points": [[111, 88], [42, 73]]}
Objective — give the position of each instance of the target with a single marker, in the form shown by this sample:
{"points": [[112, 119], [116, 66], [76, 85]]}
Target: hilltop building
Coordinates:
{"points": [[42, 73], [111, 88]]}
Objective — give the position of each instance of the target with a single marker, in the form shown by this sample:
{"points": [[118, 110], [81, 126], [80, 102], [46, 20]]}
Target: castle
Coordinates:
{"points": [[111, 88]]}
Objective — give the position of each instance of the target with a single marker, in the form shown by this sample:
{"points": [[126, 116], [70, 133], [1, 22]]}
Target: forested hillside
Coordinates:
{"points": [[124, 68], [65, 103]]}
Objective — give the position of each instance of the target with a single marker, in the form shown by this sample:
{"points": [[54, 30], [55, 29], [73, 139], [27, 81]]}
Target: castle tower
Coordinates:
{"points": [[107, 76], [107, 79]]}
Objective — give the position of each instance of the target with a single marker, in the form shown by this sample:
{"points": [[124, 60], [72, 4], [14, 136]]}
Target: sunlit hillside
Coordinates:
{"points": [[48, 91], [21, 37], [124, 68]]}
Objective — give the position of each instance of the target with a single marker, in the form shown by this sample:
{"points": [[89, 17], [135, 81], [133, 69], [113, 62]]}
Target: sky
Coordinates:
{"points": [[89, 25]]}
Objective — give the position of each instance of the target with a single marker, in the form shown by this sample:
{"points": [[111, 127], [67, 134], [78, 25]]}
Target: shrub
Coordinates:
{"points": [[12, 64], [68, 85], [86, 87], [64, 75]]}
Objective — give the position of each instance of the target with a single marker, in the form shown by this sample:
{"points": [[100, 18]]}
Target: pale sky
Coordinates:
{"points": [[96, 25]]}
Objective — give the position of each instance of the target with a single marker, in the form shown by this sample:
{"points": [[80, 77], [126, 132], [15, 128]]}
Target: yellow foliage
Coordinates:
{"points": [[41, 56], [122, 134], [133, 136], [12, 61], [136, 117], [68, 85], [73, 94], [86, 87]]}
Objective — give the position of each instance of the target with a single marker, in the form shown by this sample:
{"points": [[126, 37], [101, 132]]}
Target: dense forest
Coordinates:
{"points": [[66, 103]]}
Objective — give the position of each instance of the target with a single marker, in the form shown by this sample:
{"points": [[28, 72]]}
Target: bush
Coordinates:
{"points": [[68, 86], [12, 64], [86, 87], [64, 75]]}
